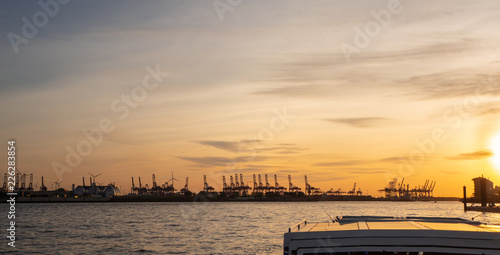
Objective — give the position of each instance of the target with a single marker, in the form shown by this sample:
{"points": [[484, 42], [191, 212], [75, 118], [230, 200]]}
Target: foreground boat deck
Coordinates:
{"points": [[385, 223], [379, 235]]}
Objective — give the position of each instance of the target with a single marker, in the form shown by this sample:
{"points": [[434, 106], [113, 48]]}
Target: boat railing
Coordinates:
{"points": [[297, 226]]}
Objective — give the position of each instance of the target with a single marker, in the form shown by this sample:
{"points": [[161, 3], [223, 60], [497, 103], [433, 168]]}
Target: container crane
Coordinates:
{"points": [[225, 188], [30, 186], [277, 187], [359, 192], [260, 187], [18, 179], [353, 191], [155, 187], [291, 187], [268, 187], [309, 188], [254, 183], [23, 182], [401, 189], [206, 188], [185, 189], [238, 187], [140, 186], [132, 189], [244, 188]]}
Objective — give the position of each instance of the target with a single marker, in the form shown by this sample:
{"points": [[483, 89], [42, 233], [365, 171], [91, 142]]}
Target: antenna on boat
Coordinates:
{"points": [[333, 221]]}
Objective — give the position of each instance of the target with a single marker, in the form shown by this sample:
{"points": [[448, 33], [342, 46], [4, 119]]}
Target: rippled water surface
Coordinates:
{"points": [[188, 228]]}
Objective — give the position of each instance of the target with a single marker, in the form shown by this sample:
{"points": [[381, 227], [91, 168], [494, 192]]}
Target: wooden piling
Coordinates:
{"points": [[465, 199]]}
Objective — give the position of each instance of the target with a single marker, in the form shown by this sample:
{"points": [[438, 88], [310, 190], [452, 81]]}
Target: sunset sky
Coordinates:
{"points": [[258, 87]]}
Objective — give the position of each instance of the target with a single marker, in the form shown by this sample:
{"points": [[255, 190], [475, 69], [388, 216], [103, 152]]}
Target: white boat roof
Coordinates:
{"points": [[394, 223], [375, 235]]}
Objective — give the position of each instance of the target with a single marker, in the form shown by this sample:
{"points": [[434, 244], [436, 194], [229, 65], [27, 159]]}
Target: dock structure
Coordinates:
{"points": [[232, 186], [484, 194]]}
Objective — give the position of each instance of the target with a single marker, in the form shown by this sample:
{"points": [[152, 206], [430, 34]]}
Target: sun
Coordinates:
{"points": [[495, 148]]}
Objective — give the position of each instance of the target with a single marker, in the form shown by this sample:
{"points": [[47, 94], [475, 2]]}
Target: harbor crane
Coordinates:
{"points": [[257, 186], [310, 189], [237, 183], [277, 187], [260, 183], [268, 187], [18, 179], [254, 183], [260, 188], [291, 187], [23, 182], [359, 192], [244, 188], [232, 182], [134, 188], [30, 186], [225, 188], [155, 188], [353, 191], [142, 190], [185, 189], [154, 183], [206, 188]]}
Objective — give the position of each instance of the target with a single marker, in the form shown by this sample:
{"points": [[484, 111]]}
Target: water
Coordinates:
{"points": [[188, 228]]}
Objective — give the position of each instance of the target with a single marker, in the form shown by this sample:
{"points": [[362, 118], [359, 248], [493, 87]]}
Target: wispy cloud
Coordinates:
{"points": [[450, 84], [472, 155], [253, 146], [366, 170], [222, 161], [341, 163], [358, 162], [223, 145], [361, 122], [308, 90], [390, 159]]}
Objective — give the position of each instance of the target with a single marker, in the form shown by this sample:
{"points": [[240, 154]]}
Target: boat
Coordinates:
{"points": [[375, 235]]}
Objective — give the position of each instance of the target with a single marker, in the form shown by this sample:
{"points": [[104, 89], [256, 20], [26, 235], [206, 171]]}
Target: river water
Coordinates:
{"points": [[188, 228]]}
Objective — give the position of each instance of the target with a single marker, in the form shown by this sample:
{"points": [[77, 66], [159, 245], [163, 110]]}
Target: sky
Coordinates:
{"points": [[341, 91]]}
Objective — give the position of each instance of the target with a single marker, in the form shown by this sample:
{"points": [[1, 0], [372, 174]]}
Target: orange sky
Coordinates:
{"points": [[267, 88]]}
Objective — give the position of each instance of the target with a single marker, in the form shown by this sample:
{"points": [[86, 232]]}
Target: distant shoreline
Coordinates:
{"points": [[125, 199]]}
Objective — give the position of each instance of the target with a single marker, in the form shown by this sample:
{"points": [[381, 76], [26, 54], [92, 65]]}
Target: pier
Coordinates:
{"points": [[484, 196]]}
